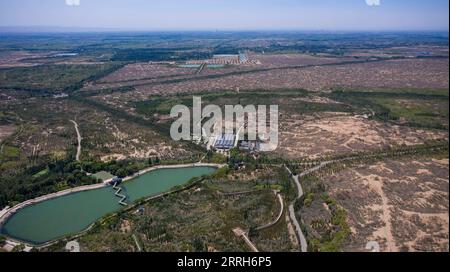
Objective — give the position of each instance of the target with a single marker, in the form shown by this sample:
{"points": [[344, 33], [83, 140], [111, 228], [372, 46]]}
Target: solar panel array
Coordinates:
{"points": [[225, 141], [243, 57]]}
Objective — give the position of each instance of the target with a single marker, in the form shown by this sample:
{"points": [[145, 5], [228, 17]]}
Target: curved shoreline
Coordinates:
{"points": [[6, 214], [11, 211]]}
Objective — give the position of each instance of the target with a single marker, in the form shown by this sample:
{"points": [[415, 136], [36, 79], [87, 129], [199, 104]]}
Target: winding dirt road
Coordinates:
{"points": [[301, 236]]}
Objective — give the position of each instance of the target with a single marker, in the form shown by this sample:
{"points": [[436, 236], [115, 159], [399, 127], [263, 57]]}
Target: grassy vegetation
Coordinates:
{"points": [[103, 175], [41, 173], [53, 78], [41, 180], [6, 118], [9, 153], [326, 229], [417, 113], [161, 105], [415, 108], [439, 93], [338, 232], [288, 101], [159, 54]]}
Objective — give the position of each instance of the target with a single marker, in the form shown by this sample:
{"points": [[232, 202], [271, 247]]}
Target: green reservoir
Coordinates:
{"points": [[70, 214]]}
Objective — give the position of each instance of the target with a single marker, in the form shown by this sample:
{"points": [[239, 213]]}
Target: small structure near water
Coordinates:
{"points": [[73, 246], [116, 181]]}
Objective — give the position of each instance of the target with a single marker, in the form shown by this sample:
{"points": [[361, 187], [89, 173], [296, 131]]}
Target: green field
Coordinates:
{"points": [[103, 175], [429, 113], [288, 101], [9, 152], [410, 107]]}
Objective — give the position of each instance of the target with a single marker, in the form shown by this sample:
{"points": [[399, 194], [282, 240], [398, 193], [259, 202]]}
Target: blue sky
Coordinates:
{"points": [[390, 15]]}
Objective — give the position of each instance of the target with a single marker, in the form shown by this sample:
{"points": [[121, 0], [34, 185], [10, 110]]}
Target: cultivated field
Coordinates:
{"points": [[408, 73]]}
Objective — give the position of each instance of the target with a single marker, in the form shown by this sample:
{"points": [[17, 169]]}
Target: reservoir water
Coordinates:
{"points": [[70, 214]]}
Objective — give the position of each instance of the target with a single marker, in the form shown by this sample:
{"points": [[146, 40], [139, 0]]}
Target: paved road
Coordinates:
{"points": [[300, 193], [301, 236], [79, 140]]}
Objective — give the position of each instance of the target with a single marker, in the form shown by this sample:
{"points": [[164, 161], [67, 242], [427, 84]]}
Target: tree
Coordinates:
{"points": [[121, 173], [2, 241], [18, 248], [198, 245], [252, 231]]}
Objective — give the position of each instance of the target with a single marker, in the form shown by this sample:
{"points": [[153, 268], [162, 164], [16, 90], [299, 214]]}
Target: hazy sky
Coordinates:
{"points": [[229, 14]]}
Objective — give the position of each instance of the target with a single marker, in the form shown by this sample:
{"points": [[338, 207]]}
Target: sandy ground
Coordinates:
{"points": [[312, 136], [393, 205], [6, 131]]}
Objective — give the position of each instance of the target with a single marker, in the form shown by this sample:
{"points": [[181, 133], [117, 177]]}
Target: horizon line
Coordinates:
{"points": [[75, 29]]}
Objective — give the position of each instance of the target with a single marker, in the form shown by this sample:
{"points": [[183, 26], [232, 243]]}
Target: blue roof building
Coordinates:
{"points": [[225, 141]]}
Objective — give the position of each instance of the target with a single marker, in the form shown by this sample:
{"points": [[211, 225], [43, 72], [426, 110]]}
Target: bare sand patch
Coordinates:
{"points": [[390, 203], [318, 135], [6, 131], [424, 172]]}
